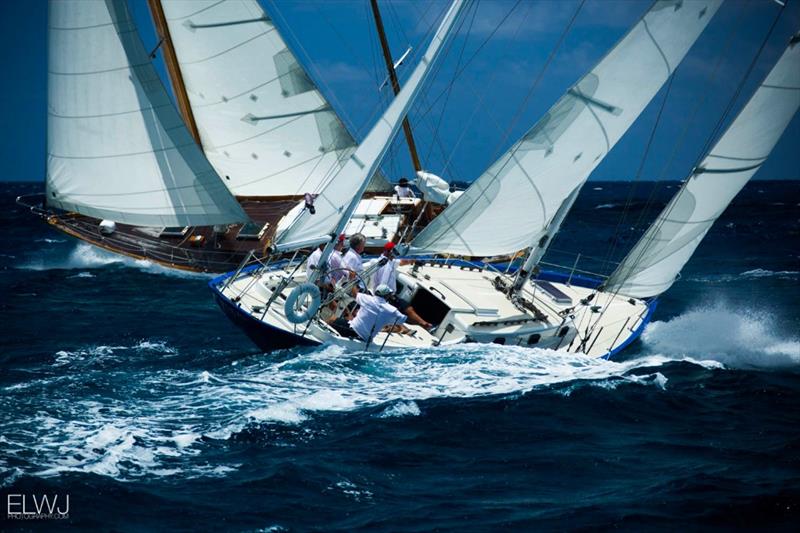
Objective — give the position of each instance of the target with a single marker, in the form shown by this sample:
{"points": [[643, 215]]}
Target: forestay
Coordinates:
{"points": [[338, 199], [117, 147], [654, 263], [510, 206], [264, 125]]}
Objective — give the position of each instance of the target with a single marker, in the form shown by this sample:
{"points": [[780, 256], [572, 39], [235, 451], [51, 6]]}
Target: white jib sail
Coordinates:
{"points": [[117, 147], [657, 259], [263, 123], [336, 198], [509, 206]]}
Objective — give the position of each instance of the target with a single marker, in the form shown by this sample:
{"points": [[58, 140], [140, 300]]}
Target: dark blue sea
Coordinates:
{"points": [[123, 387]]}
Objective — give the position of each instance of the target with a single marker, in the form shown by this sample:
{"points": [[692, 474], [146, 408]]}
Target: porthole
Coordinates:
{"points": [[564, 331], [534, 339], [499, 340]]}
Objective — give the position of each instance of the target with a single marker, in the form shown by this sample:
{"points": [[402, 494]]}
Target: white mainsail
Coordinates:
{"points": [[263, 124], [117, 147], [510, 206], [337, 199], [654, 263]]}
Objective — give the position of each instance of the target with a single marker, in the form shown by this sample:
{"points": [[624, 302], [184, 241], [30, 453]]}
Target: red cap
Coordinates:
{"points": [[341, 238], [388, 247]]}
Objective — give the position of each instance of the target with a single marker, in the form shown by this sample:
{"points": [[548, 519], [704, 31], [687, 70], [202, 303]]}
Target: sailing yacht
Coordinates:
{"points": [[254, 140], [520, 202]]}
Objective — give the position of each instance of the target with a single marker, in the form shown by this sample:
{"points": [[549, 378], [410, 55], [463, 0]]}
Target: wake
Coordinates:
{"points": [[85, 256], [741, 338]]}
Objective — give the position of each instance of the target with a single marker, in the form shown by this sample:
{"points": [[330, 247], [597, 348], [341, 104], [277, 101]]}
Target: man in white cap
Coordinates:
{"points": [[374, 314], [386, 274]]}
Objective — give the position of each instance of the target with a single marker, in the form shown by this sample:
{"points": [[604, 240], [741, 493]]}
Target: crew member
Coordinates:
{"points": [[352, 259], [386, 274], [402, 190], [374, 314]]}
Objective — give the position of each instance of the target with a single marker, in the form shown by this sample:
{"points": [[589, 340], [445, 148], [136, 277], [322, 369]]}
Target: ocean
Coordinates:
{"points": [[124, 388]]}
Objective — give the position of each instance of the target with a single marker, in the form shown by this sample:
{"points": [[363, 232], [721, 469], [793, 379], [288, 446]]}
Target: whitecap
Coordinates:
{"points": [[400, 409], [86, 256], [737, 338]]}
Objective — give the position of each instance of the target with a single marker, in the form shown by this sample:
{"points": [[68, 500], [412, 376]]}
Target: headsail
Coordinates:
{"points": [[510, 206], [264, 125], [654, 263], [337, 200], [117, 148]]}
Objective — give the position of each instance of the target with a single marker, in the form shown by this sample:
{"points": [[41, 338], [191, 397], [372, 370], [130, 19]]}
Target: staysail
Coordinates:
{"points": [[263, 124], [511, 205], [342, 193], [654, 263], [117, 147]]}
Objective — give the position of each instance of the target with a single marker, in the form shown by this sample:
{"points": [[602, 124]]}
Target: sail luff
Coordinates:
{"points": [[654, 263], [117, 147], [173, 69], [338, 200], [511, 204]]}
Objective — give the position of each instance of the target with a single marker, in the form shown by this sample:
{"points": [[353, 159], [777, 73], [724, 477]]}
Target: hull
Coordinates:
{"points": [[208, 249], [269, 338]]}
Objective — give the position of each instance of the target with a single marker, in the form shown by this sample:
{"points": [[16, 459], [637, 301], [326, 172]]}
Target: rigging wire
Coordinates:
{"points": [[709, 141], [535, 84], [481, 97], [659, 222], [650, 202]]}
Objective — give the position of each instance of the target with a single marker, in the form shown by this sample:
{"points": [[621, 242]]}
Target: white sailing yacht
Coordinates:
{"points": [[198, 189], [520, 202]]}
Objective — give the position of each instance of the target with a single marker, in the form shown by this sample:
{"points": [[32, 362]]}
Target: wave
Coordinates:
{"points": [[606, 206], [85, 256], [155, 421], [758, 273], [740, 338]]}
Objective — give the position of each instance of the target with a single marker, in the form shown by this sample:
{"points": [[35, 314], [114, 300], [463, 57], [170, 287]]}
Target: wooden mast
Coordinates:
{"points": [[387, 56], [171, 60]]}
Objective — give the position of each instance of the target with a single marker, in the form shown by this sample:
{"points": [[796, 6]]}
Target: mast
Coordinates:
{"points": [[171, 60], [387, 56], [538, 248]]}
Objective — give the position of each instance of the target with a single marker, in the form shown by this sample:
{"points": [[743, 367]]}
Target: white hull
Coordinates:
{"points": [[461, 299]]}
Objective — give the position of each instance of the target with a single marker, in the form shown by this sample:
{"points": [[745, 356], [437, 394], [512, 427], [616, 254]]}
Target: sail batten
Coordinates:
{"points": [[117, 148], [511, 205], [259, 114], [654, 263]]}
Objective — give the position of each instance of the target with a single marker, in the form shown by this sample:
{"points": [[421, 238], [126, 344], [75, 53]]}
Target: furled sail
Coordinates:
{"points": [[510, 206], [338, 198], [264, 125], [657, 259], [117, 147]]}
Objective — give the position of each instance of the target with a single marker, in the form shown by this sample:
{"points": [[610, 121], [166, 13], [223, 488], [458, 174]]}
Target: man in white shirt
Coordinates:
{"points": [[386, 274], [352, 259], [336, 261], [373, 315], [402, 190]]}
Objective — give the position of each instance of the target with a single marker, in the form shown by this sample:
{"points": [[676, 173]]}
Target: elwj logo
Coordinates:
{"points": [[37, 506]]}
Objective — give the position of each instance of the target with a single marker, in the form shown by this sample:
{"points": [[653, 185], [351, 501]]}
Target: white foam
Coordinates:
{"points": [[86, 256], [740, 338], [400, 409]]}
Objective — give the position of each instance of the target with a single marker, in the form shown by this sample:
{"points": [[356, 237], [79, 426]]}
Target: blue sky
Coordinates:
{"points": [[479, 114]]}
